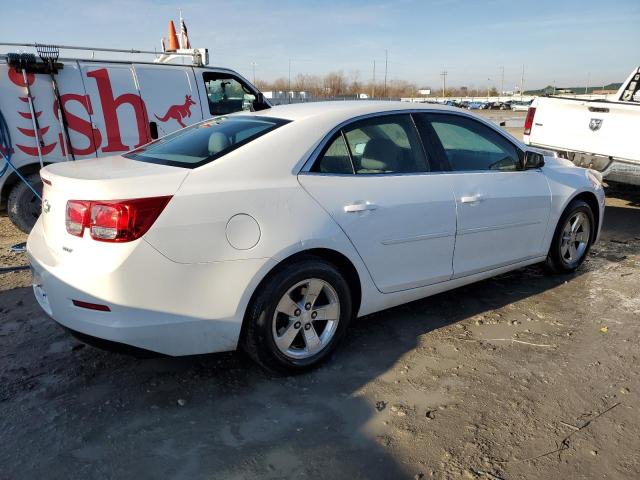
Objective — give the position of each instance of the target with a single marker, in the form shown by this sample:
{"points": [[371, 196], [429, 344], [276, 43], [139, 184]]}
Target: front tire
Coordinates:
{"points": [[572, 239], [298, 317], [23, 206]]}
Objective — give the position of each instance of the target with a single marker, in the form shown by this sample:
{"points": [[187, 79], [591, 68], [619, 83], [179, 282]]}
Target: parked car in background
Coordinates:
{"points": [[599, 134], [520, 106], [476, 105], [110, 107], [506, 105], [270, 230]]}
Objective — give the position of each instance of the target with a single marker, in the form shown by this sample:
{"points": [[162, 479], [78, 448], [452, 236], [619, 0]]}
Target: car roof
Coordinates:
{"points": [[338, 111]]}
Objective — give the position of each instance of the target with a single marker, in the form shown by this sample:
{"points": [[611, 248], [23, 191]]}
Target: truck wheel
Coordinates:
{"points": [[23, 205], [298, 317], [572, 239]]}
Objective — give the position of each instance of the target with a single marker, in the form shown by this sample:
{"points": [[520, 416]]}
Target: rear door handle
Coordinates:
{"points": [[471, 199], [359, 207]]}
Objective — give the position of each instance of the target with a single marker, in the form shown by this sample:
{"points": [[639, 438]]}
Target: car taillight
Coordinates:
{"points": [[528, 122], [114, 220], [76, 217]]}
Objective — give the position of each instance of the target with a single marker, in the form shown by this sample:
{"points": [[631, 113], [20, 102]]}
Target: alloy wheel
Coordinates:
{"points": [[575, 237], [306, 318]]}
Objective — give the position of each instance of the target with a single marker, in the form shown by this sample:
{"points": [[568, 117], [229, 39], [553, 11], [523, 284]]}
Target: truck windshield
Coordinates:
{"points": [[204, 142]]}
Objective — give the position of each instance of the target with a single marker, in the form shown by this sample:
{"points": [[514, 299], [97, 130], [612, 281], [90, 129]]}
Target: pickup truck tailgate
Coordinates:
{"points": [[600, 128]]}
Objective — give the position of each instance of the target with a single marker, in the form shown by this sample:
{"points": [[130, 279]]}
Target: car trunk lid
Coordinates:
{"points": [[111, 178]]}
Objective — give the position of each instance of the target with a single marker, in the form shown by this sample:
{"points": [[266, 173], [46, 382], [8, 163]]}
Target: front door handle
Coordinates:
{"points": [[471, 199], [359, 207]]}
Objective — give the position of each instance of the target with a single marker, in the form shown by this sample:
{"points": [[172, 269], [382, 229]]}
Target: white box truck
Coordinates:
{"points": [[106, 108]]}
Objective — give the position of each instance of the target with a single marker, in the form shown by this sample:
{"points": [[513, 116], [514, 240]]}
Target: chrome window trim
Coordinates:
{"points": [[313, 156]]}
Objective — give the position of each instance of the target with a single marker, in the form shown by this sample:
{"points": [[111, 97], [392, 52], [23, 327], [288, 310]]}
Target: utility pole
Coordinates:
{"points": [[373, 84], [586, 89], [289, 84], [386, 66], [253, 66], [444, 82], [522, 83], [488, 83], [502, 82]]}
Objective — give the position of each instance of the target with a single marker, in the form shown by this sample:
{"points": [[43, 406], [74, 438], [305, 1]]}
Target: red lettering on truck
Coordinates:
{"points": [[109, 111]]}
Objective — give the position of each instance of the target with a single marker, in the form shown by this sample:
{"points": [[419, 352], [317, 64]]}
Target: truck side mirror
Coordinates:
{"points": [[259, 103], [533, 160]]}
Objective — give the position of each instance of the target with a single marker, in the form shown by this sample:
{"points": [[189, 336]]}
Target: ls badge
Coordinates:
{"points": [[595, 124], [46, 206]]}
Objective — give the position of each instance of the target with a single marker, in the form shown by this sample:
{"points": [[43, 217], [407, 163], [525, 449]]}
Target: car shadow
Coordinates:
{"points": [[220, 416]]}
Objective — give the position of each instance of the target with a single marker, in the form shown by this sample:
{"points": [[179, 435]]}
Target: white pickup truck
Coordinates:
{"points": [[600, 134]]}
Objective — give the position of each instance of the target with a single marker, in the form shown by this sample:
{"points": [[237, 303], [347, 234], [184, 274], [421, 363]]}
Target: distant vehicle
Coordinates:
{"points": [[108, 107], [495, 106], [464, 104], [520, 106], [270, 230], [599, 134], [475, 106], [506, 105]]}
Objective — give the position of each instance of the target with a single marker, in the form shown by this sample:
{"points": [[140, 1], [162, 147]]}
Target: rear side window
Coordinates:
{"points": [[204, 142], [335, 158], [387, 144]]}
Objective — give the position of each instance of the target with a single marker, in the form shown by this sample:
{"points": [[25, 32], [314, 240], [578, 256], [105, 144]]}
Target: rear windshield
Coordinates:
{"points": [[203, 142]]}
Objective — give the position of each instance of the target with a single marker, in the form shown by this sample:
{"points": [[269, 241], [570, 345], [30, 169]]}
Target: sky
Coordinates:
{"points": [[568, 42]]}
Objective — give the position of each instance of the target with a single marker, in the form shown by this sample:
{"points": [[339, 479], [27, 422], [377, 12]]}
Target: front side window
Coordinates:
{"points": [[204, 142], [226, 94], [469, 145]]}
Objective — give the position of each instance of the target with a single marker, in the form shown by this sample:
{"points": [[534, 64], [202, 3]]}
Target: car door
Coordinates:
{"points": [[503, 209], [373, 178]]}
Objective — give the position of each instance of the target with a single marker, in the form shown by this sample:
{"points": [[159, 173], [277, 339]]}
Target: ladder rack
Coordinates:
{"points": [[199, 56]]}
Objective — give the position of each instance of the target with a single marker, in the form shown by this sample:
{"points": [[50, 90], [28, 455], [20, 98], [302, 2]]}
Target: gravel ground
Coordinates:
{"points": [[521, 376]]}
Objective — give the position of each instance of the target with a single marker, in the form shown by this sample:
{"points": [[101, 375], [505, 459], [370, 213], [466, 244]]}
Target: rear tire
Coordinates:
{"points": [[298, 317], [572, 239], [23, 206]]}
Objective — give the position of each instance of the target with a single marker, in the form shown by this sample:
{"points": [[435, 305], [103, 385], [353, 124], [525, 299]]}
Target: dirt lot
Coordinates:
{"points": [[521, 376]]}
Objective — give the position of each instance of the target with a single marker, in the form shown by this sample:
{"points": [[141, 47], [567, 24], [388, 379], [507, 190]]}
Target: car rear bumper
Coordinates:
{"points": [[154, 304]]}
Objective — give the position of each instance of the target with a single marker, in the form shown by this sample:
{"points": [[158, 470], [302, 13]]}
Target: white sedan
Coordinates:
{"points": [[270, 230]]}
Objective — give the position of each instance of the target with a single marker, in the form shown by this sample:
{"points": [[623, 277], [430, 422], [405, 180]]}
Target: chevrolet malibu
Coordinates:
{"points": [[270, 231]]}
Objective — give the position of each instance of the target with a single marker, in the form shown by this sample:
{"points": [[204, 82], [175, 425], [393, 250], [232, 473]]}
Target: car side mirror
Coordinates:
{"points": [[533, 160]]}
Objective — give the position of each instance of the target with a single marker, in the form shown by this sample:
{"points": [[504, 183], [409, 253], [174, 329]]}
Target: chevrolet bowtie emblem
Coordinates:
{"points": [[595, 124]]}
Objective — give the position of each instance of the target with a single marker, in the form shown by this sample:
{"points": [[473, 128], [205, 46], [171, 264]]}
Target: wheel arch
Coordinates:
{"points": [[334, 257], [590, 199]]}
